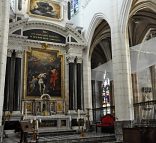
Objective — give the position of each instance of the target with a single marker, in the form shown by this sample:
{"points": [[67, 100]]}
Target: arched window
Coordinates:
{"points": [[106, 96]]}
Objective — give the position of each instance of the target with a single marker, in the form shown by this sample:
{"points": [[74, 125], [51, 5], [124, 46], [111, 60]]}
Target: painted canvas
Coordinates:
{"points": [[44, 71], [45, 9]]}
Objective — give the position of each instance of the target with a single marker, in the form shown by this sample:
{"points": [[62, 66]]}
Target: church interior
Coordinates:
{"points": [[78, 71]]}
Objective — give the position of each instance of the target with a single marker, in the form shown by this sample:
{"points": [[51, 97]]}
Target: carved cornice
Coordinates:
{"points": [[22, 40], [17, 36], [76, 46], [41, 43]]}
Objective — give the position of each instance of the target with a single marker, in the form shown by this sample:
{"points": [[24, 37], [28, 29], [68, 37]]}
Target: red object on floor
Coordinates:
{"points": [[106, 121]]}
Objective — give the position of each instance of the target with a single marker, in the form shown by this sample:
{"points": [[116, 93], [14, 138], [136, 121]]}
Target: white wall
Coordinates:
{"points": [[101, 8]]}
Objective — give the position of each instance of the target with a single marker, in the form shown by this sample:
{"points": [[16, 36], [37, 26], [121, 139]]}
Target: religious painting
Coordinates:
{"points": [[45, 9], [43, 73]]}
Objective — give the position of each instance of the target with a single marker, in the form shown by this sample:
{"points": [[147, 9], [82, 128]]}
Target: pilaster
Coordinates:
{"points": [[4, 29], [87, 84]]}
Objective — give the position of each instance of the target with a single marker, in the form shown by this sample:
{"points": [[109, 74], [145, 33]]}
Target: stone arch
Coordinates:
{"points": [[99, 52], [141, 12], [97, 18], [142, 5], [126, 11], [124, 14]]}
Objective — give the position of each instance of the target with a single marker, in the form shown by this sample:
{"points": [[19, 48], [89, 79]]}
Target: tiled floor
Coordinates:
{"points": [[11, 137], [88, 138]]}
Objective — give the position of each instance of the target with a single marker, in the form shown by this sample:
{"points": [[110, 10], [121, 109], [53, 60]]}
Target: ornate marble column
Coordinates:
{"points": [[7, 83], [17, 78], [12, 81], [4, 29], [71, 61], [79, 82]]}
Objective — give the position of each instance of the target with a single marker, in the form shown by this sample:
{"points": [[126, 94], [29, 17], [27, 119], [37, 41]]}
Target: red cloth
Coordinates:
{"points": [[107, 120]]}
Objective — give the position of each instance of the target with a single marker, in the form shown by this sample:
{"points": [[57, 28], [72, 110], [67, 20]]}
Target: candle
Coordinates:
{"points": [[70, 118], [78, 113], [26, 112], [22, 111], [40, 120], [36, 124]]}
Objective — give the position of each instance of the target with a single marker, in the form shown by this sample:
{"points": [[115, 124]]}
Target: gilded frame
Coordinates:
{"points": [[45, 9], [54, 90]]}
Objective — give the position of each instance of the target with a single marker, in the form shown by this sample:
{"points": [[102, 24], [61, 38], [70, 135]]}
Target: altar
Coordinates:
{"points": [[53, 122]]}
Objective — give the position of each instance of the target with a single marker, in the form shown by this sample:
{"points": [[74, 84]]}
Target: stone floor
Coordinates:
{"points": [[76, 138]]}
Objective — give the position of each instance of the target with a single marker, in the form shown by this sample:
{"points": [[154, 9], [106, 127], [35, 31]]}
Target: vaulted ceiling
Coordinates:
{"points": [[142, 25], [101, 45]]}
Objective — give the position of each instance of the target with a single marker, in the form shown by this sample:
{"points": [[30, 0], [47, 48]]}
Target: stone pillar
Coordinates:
{"points": [[13, 81], [153, 80], [79, 82], [124, 111], [4, 29]]}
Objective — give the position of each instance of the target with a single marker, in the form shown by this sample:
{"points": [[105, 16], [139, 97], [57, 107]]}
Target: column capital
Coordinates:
{"points": [[19, 53], [9, 52], [70, 59], [79, 60]]}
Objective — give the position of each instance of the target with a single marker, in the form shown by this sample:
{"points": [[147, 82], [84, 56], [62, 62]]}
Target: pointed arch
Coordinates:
{"points": [[97, 18], [124, 15]]}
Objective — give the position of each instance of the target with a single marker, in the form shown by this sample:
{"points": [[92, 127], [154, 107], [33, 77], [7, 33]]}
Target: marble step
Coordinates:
{"points": [[78, 138]]}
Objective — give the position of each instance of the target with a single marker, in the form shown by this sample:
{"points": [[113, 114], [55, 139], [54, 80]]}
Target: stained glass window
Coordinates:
{"points": [[106, 96], [74, 6], [12, 4]]}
